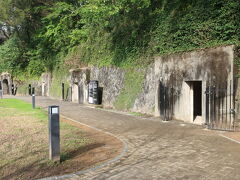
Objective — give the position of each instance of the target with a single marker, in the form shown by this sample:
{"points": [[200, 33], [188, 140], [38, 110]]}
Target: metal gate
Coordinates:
{"points": [[167, 98], [220, 108]]}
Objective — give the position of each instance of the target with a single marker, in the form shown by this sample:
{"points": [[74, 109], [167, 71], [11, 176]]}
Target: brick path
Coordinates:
{"points": [[157, 150]]}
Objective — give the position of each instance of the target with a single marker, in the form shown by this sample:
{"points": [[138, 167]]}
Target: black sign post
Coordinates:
{"points": [[54, 133], [12, 89], [63, 92]]}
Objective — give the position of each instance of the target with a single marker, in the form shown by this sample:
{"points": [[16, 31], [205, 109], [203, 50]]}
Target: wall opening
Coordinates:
{"points": [[197, 98], [5, 86], [194, 100]]}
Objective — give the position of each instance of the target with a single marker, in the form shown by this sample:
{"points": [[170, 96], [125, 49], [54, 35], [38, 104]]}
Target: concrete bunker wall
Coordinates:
{"points": [[6, 82], [111, 81], [79, 85], [210, 67], [187, 73], [41, 86]]}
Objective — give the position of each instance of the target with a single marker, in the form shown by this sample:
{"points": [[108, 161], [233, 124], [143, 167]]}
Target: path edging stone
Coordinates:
{"points": [[233, 140], [117, 158]]}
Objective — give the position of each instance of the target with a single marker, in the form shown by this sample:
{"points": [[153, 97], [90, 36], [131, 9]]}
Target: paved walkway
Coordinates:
{"points": [[157, 150]]}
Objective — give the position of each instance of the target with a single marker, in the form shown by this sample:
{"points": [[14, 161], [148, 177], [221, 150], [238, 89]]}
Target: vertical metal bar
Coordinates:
{"points": [[230, 110], [63, 91], [167, 99], [210, 107], [165, 104], [222, 98], [168, 103], [219, 107], [172, 95], [234, 117], [226, 108], [207, 105], [214, 107]]}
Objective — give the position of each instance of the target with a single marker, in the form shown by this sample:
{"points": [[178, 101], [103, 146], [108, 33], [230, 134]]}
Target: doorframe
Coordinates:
{"points": [[191, 99]]}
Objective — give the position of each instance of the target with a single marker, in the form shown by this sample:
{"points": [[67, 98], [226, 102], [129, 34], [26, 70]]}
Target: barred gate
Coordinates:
{"points": [[167, 98], [220, 108]]}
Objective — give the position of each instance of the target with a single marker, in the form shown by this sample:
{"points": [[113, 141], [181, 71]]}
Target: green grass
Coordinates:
{"points": [[24, 140], [20, 107], [23, 108]]}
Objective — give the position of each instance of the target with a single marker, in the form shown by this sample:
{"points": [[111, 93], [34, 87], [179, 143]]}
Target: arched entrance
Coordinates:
{"points": [[5, 86]]}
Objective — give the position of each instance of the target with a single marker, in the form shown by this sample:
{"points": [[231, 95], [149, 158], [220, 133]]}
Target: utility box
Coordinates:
{"points": [[93, 92]]}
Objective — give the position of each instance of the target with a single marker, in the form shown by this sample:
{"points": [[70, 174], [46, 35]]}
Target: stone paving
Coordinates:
{"points": [[157, 150]]}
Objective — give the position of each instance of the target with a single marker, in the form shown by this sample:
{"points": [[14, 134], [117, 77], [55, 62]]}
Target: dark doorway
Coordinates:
{"points": [[197, 98], [5, 86]]}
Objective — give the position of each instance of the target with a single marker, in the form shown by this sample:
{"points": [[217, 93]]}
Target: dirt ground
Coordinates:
{"points": [[24, 158]]}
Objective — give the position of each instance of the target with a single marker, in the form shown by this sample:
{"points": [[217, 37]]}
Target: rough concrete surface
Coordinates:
{"points": [[157, 150]]}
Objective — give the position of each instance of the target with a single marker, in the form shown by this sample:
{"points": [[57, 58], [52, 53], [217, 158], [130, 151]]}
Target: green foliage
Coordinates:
{"points": [[195, 24], [10, 54], [62, 27], [133, 83], [59, 77], [121, 33]]}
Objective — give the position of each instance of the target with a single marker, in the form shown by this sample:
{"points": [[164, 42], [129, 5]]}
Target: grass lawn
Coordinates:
{"points": [[24, 144]]}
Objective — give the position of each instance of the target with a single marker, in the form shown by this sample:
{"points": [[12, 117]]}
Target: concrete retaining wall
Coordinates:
{"points": [[213, 66]]}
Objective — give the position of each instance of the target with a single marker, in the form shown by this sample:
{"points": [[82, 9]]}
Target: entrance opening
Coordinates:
{"points": [[5, 86], [197, 98], [195, 101]]}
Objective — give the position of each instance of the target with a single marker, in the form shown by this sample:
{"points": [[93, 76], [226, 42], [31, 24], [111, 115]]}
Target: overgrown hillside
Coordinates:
{"points": [[45, 34]]}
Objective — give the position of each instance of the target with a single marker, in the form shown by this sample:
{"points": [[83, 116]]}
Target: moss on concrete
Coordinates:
{"points": [[132, 87], [59, 76]]}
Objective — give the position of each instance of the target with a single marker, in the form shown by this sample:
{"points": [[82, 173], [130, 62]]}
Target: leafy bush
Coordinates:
{"points": [[121, 33], [10, 56]]}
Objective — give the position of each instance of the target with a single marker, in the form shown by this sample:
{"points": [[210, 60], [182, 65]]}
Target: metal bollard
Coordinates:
{"points": [[63, 98], [33, 98], [54, 133]]}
